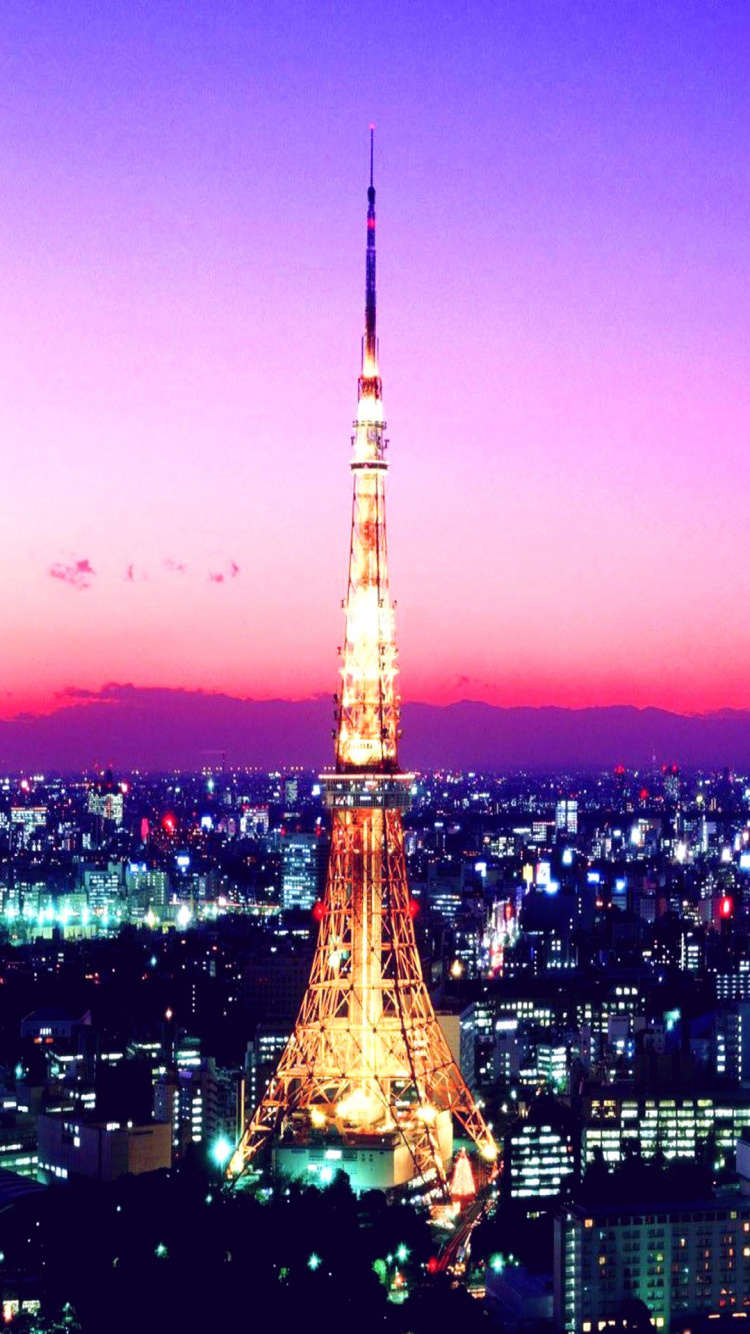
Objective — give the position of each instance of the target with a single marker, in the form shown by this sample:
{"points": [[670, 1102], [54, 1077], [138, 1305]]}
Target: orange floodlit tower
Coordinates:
{"points": [[367, 1081]]}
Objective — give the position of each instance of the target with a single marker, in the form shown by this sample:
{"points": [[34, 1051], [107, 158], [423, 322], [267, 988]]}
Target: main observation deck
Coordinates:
{"points": [[367, 791]]}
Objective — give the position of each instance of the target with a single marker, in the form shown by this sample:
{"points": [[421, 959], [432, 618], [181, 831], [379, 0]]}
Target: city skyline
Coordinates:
{"points": [[563, 300]]}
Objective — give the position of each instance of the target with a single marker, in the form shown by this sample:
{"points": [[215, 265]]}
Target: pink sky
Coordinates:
{"points": [[563, 315]]}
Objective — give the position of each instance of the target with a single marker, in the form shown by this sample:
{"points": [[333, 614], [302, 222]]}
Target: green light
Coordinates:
{"points": [[314, 1262], [497, 1263], [161, 1250], [19, 1072], [402, 1253], [221, 1151], [209, 1199]]}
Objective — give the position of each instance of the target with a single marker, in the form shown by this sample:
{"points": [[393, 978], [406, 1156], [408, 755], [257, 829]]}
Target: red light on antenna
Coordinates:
{"points": [[413, 908], [726, 907], [318, 910]]}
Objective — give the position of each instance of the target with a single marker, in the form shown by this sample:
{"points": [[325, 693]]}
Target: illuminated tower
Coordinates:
{"points": [[367, 1081]]}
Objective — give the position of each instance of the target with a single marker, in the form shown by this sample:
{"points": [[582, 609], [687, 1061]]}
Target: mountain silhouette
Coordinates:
{"points": [[136, 727]]}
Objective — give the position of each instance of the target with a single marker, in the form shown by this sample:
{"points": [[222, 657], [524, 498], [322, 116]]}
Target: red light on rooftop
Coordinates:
{"points": [[726, 907], [432, 1265], [169, 823], [318, 910]]}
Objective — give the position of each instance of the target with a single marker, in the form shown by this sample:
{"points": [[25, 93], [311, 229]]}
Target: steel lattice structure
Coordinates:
{"points": [[367, 1057]]}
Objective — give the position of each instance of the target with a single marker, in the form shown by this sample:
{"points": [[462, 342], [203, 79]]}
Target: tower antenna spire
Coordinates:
{"points": [[370, 343]]}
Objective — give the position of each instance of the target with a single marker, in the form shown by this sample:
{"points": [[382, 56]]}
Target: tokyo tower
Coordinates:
{"points": [[367, 1081]]}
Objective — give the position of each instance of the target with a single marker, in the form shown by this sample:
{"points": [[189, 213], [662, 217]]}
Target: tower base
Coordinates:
{"points": [[371, 1162]]}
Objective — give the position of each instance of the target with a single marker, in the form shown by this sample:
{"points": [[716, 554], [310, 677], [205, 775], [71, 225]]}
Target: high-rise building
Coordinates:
{"points": [[103, 886], [566, 816], [291, 794], [679, 1259], [540, 1159], [300, 870], [107, 799], [686, 1126], [367, 1081], [145, 886]]}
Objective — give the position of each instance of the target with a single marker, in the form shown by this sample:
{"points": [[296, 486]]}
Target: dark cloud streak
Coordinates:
{"points": [[79, 574]]}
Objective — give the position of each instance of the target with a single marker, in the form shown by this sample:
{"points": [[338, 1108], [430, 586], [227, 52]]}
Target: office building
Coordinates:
{"points": [[678, 1259]]}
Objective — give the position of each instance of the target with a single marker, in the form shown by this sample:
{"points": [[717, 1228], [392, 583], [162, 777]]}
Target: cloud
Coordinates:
{"points": [[175, 566], [79, 574], [221, 577], [471, 683]]}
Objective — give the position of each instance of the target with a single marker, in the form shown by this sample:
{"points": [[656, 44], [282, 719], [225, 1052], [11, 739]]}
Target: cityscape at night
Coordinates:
{"points": [[411, 994], [586, 942]]}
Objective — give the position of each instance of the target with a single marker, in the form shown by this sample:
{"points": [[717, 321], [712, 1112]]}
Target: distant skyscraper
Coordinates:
{"points": [[566, 816], [291, 794], [104, 888], [300, 861], [106, 798]]}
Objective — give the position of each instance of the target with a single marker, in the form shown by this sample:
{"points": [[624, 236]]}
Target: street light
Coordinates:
{"points": [[221, 1151]]}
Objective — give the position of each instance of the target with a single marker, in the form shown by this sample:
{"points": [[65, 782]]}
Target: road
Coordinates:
{"points": [[456, 1246]]}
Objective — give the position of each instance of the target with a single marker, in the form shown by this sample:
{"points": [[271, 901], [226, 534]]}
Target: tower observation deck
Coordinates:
{"points": [[367, 1081]]}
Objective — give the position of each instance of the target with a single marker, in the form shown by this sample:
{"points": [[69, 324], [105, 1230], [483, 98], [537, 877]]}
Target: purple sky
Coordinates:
{"points": [[564, 321]]}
